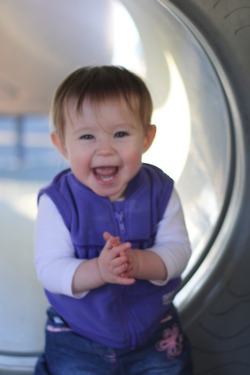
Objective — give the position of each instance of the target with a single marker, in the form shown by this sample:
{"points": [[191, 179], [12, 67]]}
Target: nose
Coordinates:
{"points": [[105, 147]]}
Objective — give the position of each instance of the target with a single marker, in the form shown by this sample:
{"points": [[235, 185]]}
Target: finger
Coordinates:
{"points": [[118, 265], [114, 240], [124, 280], [118, 261], [109, 246], [121, 248], [127, 274], [107, 236], [120, 270]]}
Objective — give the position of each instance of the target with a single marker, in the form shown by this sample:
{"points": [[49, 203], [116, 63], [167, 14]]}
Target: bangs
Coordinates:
{"points": [[98, 84]]}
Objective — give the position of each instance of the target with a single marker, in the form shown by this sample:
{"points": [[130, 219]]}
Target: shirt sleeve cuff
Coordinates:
{"points": [[69, 271]]}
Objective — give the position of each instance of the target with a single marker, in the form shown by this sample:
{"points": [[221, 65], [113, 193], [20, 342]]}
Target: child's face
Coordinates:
{"points": [[104, 144]]}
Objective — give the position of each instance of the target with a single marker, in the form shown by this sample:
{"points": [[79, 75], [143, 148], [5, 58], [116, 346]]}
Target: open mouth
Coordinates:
{"points": [[106, 174]]}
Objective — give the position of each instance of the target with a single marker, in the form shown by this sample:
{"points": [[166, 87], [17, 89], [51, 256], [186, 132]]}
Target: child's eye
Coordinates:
{"points": [[87, 136], [120, 134]]}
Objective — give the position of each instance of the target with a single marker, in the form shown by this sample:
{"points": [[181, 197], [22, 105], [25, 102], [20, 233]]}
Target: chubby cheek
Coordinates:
{"points": [[79, 166], [133, 161]]}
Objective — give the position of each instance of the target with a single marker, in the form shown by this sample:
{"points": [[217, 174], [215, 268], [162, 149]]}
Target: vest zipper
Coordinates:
{"points": [[122, 231], [121, 224]]}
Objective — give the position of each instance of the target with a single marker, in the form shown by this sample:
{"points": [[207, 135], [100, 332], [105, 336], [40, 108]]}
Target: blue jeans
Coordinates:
{"points": [[66, 353]]}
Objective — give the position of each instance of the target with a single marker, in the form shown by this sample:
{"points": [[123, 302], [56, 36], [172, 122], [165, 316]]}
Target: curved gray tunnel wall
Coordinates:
{"points": [[218, 317], [214, 303]]}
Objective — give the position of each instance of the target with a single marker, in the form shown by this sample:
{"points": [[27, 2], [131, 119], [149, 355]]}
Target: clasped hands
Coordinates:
{"points": [[117, 262]]}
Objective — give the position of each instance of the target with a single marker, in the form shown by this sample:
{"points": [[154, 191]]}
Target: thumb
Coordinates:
{"points": [[113, 240]]}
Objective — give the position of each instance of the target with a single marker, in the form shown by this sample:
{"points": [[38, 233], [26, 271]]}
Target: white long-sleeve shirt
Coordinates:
{"points": [[55, 259]]}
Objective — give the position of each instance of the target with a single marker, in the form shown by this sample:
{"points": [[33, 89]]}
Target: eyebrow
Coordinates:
{"points": [[96, 126]]}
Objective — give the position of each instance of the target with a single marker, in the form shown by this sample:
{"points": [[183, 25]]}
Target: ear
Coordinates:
{"points": [[59, 145], [149, 137]]}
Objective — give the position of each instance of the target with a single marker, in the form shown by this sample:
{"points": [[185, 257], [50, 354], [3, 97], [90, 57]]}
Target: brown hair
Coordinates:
{"points": [[97, 83]]}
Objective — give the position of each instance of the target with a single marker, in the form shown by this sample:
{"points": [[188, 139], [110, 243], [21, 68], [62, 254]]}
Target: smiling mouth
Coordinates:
{"points": [[106, 174]]}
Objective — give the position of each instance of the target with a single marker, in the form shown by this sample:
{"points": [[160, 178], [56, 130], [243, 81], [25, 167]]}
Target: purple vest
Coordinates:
{"points": [[117, 316]]}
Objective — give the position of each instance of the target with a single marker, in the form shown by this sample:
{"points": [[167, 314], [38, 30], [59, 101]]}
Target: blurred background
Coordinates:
{"points": [[199, 142]]}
